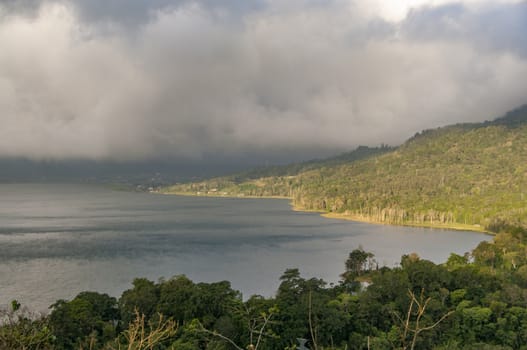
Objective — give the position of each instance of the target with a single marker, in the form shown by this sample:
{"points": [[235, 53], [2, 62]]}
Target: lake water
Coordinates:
{"points": [[58, 240]]}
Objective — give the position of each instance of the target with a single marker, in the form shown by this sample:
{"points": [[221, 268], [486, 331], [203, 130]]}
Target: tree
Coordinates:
{"points": [[412, 325], [89, 317], [143, 297], [178, 299], [358, 262], [139, 336], [456, 261], [487, 254], [22, 329], [258, 314]]}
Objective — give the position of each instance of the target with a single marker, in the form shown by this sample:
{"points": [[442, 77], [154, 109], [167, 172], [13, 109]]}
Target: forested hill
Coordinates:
{"points": [[465, 175], [271, 181], [361, 152]]}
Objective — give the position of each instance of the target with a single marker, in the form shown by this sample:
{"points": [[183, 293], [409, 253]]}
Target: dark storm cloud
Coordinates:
{"points": [[101, 79]]}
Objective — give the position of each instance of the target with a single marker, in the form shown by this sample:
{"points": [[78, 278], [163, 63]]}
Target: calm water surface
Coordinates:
{"points": [[58, 240]]}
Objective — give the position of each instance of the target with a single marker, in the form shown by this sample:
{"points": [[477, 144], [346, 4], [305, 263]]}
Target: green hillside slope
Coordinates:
{"points": [[467, 175], [271, 181]]}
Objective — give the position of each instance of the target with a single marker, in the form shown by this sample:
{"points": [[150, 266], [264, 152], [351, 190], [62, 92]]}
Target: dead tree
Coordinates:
{"points": [[412, 324]]}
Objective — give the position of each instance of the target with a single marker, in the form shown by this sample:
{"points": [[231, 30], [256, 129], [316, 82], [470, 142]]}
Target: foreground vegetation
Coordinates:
{"points": [[466, 175], [475, 301]]}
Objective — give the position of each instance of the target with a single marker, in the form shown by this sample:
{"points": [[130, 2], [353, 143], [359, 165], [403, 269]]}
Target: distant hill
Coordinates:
{"points": [[471, 175]]}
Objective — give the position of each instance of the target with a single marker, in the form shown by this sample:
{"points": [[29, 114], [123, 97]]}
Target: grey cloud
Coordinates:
{"points": [[27, 8], [131, 13], [489, 28], [187, 83]]}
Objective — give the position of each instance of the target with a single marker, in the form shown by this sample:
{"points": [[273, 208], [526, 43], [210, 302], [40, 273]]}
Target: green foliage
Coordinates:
{"points": [[143, 298], [358, 262], [21, 329], [271, 181], [361, 152], [142, 336], [87, 319], [456, 261], [15, 305]]}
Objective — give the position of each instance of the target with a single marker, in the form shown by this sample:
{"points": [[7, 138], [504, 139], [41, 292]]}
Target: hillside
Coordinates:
{"points": [[271, 181], [465, 175]]}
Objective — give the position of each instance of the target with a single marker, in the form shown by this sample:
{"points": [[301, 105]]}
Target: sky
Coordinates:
{"points": [[134, 80]]}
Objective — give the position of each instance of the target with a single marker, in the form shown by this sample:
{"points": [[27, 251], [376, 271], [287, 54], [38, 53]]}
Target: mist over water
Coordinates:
{"points": [[58, 240]]}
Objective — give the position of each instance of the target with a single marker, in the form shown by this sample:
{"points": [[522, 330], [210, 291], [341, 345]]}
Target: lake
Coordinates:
{"points": [[58, 240]]}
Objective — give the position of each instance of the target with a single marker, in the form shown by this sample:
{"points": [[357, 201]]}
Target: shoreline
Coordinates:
{"points": [[210, 195], [338, 216], [453, 227]]}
